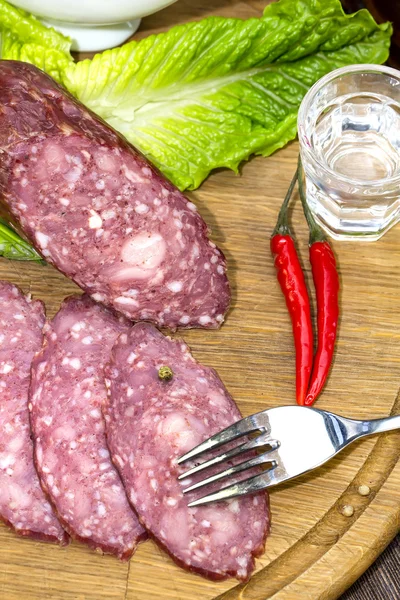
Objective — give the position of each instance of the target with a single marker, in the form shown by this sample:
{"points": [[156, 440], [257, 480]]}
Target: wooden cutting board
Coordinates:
{"points": [[314, 552]]}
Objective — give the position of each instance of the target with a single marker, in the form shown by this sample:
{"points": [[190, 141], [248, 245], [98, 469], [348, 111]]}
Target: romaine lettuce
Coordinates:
{"points": [[27, 29], [51, 60], [208, 94], [12, 246], [23, 37]]}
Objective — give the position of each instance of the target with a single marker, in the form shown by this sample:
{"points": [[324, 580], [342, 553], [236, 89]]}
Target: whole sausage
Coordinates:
{"points": [[96, 209]]}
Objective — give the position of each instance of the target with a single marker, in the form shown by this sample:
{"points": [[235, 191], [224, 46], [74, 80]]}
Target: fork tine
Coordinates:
{"points": [[261, 440], [243, 466], [229, 434], [248, 486]]}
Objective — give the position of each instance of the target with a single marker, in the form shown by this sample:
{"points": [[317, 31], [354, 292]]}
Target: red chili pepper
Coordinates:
{"points": [[293, 285], [326, 282]]}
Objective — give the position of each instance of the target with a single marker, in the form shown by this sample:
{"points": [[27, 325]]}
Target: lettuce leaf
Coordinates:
{"points": [[27, 29], [12, 246], [51, 60], [209, 94], [23, 37]]}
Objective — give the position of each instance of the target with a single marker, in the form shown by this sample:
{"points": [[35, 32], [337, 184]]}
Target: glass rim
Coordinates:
{"points": [[303, 110]]}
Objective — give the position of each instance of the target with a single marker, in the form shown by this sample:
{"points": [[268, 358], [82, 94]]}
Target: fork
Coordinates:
{"points": [[296, 439]]}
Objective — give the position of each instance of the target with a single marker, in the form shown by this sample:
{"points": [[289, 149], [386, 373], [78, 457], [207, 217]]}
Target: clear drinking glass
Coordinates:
{"points": [[349, 132]]}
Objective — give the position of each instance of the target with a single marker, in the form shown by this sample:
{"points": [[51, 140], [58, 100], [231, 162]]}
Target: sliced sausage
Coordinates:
{"points": [[150, 423], [66, 397], [95, 208], [23, 504]]}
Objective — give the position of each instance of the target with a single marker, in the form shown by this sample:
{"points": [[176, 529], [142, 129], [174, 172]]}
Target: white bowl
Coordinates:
{"points": [[93, 24]]}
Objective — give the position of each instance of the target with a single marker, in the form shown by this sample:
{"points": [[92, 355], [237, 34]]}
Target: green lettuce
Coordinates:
{"points": [[51, 60], [209, 94], [27, 29], [23, 37], [12, 246]]}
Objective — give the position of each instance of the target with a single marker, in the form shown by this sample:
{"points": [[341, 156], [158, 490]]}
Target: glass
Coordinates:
{"points": [[349, 133]]}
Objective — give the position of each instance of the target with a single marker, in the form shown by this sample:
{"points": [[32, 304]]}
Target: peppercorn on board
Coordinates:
{"points": [[327, 526]]}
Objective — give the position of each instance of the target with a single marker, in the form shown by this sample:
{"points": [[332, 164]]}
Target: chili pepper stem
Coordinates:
{"points": [[282, 224], [316, 233]]}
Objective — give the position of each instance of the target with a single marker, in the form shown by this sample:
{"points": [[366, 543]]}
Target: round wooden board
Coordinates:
{"points": [[314, 552]]}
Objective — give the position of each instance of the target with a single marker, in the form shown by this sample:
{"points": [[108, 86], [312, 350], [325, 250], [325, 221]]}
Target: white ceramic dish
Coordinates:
{"points": [[93, 24]]}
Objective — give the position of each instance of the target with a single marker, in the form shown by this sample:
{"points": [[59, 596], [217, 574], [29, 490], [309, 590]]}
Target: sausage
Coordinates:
{"points": [[150, 423], [23, 504], [73, 462], [96, 209]]}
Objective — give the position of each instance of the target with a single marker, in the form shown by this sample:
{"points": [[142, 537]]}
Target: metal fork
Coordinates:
{"points": [[297, 439]]}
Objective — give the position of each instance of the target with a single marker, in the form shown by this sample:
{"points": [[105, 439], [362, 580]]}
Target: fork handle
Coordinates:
{"points": [[381, 425]]}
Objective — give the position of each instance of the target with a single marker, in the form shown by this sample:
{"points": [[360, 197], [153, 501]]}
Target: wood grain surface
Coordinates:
{"points": [[381, 580], [314, 552]]}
